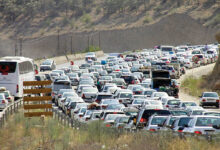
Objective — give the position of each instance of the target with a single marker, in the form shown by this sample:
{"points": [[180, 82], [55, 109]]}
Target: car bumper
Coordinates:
{"points": [[210, 103]]}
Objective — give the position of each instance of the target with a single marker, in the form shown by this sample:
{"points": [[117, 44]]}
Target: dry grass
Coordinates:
{"points": [[194, 86], [30, 134]]}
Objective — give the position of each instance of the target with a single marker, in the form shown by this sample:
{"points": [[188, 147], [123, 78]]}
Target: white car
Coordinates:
{"points": [[3, 101], [89, 94], [209, 99], [195, 110], [154, 123], [188, 64], [64, 96], [203, 125], [158, 95], [185, 104]]}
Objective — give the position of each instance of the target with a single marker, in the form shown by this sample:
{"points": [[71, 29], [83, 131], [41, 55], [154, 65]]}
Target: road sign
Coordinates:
{"points": [[36, 99]]}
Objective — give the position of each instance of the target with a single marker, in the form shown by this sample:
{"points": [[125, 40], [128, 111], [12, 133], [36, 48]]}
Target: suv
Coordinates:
{"points": [[209, 99], [144, 115]]}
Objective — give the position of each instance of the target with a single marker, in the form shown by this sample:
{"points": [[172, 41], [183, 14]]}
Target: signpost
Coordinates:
{"points": [[37, 99]]}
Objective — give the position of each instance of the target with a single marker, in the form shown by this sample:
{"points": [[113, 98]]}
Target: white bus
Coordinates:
{"points": [[15, 70]]}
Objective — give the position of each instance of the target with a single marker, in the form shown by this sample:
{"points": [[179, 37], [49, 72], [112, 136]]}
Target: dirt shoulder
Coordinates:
{"points": [[196, 72]]}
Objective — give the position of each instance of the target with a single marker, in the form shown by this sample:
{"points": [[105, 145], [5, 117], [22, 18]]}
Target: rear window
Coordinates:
{"points": [[148, 113], [184, 121], [158, 120], [61, 85], [167, 49], [7, 67], [207, 121]]}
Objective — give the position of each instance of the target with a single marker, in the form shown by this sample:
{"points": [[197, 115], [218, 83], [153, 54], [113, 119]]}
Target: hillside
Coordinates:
{"points": [[34, 18]]}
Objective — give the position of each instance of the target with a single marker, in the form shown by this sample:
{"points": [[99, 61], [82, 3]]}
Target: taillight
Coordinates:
{"points": [[9, 98], [86, 119], [53, 94], [152, 130], [83, 96], [188, 63], [203, 100], [97, 101], [173, 71], [132, 82], [108, 125], [217, 101], [120, 101], [80, 116], [17, 88], [180, 130], [59, 95], [3, 101], [104, 107], [198, 132], [167, 106], [143, 120]]}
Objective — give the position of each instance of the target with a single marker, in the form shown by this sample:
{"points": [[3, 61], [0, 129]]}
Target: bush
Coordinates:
{"points": [[86, 18], [193, 85], [92, 48], [147, 19]]}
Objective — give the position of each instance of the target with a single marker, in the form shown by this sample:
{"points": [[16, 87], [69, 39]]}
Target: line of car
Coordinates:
{"points": [[123, 93]]}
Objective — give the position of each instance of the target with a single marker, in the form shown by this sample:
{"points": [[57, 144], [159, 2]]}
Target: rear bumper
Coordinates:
{"points": [[210, 103]]}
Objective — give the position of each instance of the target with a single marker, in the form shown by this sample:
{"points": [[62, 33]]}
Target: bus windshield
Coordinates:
{"points": [[7, 67]]}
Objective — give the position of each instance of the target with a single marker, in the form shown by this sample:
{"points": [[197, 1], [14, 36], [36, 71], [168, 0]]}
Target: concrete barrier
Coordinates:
{"points": [[64, 59]]}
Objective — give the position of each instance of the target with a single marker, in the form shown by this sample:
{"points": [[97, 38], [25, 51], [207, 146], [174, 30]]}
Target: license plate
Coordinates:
{"points": [[211, 100]]}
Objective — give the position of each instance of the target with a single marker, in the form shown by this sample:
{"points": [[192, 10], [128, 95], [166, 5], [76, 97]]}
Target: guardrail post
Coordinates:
{"points": [[11, 107], [14, 107], [71, 122]]}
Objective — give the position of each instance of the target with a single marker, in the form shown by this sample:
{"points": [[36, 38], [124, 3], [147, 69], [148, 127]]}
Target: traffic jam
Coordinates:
{"points": [[136, 91]]}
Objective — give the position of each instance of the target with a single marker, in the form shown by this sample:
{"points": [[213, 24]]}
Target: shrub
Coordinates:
{"points": [[86, 18], [147, 19]]}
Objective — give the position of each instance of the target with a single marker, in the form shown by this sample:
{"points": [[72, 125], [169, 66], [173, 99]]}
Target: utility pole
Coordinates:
{"points": [[16, 48], [58, 41], [21, 46], [71, 43], [99, 41], [88, 42]]}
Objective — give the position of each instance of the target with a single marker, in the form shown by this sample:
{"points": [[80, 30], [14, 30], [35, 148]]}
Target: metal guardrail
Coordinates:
{"points": [[69, 122], [9, 110]]}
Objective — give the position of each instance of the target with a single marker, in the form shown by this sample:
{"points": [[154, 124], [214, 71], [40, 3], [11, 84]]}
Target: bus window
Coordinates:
{"points": [[7, 67]]}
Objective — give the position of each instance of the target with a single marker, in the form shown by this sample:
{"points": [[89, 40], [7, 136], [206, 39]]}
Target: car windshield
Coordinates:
{"points": [[171, 121], [173, 102], [159, 94], [6, 93], [69, 94], [212, 114], [83, 110], [178, 113], [184, 121], [124, 120], [92, 90], [138, 101], [197, 112], [111, 116], [1, 96], [46, 63], [114, 106], [105, 78], [189, 104], [125, 95], [110, 102], [210, 95], [158, 120], [148, 93], [207, 121]]}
